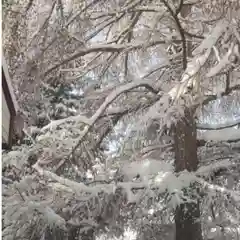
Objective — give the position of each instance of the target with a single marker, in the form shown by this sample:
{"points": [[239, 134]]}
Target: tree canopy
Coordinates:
{"points": [[132, 112]]}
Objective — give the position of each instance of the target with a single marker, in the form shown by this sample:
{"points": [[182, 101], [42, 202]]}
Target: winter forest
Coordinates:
{"points": [[132, 120]]}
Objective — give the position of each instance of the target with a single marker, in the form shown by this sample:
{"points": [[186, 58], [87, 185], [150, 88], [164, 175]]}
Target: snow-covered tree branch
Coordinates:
{"points": [[132, 116]]}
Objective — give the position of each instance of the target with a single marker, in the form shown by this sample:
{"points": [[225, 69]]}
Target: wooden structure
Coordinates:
{"points": [[9, 108]]}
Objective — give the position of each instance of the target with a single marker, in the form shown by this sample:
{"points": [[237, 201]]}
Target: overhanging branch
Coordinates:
{"points": [[111, 97]]}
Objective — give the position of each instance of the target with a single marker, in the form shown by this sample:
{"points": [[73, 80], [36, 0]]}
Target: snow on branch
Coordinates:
{"points": [[162, 180], [210, 98], [77, 187], [220, 135], [213, 37], [110, 98], [188, 76], [108, 48], [222, 63], [234, 194], [56, 123], [89, 122], [117, 92], [213, 167], [219, 126]]}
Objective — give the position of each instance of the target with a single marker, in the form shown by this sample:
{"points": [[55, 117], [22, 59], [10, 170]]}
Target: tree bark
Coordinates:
{"points": [[187, 215]]}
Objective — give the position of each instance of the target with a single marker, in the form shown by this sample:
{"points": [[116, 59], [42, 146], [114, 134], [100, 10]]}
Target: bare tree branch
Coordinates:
{"points": [[105, 48]]}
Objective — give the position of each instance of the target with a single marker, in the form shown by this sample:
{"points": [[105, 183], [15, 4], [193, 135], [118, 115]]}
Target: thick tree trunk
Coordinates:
{"points": [[187, 215], [188, 226]]}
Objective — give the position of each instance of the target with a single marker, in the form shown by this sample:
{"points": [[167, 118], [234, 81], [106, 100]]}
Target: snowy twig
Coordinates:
{"points": [[222, 63], [66, 182], [234, 194], [181, 31], [216, 53], [212, 38], [188, 76], [56, 123], [213, 167]]}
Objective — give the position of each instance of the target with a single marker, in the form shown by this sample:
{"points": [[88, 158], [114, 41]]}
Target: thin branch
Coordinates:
{"points": [[20, 194], [126, 31], [192, 35], [36, 34], [181, 32], [103, 27], [56, 123], [131, 10], [29, 5], [81, 11], [104, 48]]}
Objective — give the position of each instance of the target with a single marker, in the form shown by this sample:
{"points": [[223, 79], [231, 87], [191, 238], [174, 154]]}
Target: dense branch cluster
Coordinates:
{"points": [[91, 74]]}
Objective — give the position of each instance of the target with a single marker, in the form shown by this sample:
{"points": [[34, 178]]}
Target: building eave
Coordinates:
{"points": [[8, 87]]}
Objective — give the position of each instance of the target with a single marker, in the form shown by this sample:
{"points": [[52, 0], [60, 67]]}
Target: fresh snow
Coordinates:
{"points": [[229, 134], [212, 38], [207, 170], [145, 168]]}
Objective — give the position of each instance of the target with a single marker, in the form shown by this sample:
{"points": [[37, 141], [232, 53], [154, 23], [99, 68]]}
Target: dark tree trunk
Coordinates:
{"points": [[89, 235], [55, 234], [74, 234], [187, 215], [188, 225]]}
